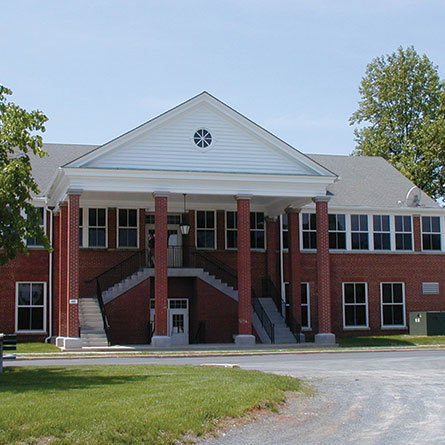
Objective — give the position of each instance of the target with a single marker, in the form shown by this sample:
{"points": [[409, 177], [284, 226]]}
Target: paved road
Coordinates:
{"points": [[360, 397]]}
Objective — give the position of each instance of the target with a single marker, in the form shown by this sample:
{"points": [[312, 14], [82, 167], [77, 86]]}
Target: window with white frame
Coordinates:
{"points": [[404, 232], [92, 227], [97, 227], [359, 232], [305, 306], [31, 306], [393, 304], [257, 232], [33, 242], [285, 230], [205, 229], [355, 305], [309, 230], [382, 232], [431, 237], [127, 228], [337, 231], [231, 230]]}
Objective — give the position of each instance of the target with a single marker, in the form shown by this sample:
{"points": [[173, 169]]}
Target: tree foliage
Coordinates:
{"points": [[19, 139], [401, 117]]}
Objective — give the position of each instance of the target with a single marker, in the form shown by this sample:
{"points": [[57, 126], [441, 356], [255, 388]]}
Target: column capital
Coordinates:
{"points": [[160, 194], [73, 191], [416, 215], [292, 210], [270, 218], [321, 199], [243, 196]]}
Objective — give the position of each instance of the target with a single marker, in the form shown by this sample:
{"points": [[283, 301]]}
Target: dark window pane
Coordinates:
{"points": [[92, 221], [252, 220], [313, 221], [123, 218], [132, 218], [101, 237], [341, 222], [398, 314], [210, 220], [435, 224], [37, 319], [285, 240], [385, 223], [426, 224], [407, 223], [260, 220], [210, 239], [24, 318], [407, 242], [80, 217], [80, 236], [364, 241], [231, 220], [349, 293], [92, 241], [378, 241], [397, 290], [386, 241], [360, 315], [377, 223], [24, 294], [363, 222], [306, 240], [332, 222], [101, 217], [349, 316], [360, 291], [435, 241], [304, 294], [304, 317], [354, 223], [387, 315], [232, 237], [305, 221], [341, 243], [313, 240], [387, 293], [37, 294], [355, 238], [398, 223], [285, 220], [200, 219]]}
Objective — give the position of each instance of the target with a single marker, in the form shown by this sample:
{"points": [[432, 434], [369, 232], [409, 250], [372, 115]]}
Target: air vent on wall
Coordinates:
{"points": [[430, 288]]}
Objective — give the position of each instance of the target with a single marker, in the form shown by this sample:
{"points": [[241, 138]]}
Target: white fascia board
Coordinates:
{"points": [[189, 182], [233, 115], [402, 210]]}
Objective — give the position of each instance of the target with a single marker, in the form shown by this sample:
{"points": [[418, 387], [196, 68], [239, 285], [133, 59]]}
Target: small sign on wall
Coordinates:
{"points": [[74, 301]]}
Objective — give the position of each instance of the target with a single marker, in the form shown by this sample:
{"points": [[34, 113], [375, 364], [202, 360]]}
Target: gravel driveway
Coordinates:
{"points": [[395, 397]]}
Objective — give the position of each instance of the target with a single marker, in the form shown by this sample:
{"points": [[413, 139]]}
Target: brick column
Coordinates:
{"points": [[62, 270], [73, 265], [294, 265], [244, 336], [417, 233], [56, 292], [272, 252], [323, 273], [161, 337]]}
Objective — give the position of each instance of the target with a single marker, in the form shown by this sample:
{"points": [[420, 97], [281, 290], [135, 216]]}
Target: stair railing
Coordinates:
{"points": [[267, 324], [270, 290], [103, 312]]}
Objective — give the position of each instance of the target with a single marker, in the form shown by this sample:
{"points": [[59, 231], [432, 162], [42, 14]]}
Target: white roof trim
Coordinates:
{"points": [[215, 103]]}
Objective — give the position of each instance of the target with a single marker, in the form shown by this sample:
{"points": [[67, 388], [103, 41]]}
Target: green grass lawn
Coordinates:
{"points": [[128, 404], [36, 347], [391, 340]]}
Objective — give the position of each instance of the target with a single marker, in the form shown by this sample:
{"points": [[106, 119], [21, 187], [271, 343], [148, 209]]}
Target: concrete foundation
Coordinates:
{"points": [[325, 339], [161, 341], [244, 340]]}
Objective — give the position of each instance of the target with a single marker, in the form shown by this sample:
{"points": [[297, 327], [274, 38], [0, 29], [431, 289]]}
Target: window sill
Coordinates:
{"points": [[357, 328], [31, 332], [393, 328]]}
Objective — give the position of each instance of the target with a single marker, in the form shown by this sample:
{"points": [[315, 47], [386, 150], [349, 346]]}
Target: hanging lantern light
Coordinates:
{"points": [[184, 227]]}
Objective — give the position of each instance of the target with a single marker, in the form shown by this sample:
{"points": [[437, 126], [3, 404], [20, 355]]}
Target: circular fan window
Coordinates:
{"points": [[202, 138]]}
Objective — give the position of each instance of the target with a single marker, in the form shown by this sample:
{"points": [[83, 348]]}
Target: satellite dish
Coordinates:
{"points": [[413, 197]]}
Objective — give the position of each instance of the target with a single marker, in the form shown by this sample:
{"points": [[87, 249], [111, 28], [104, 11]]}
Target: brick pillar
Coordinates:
{"points": [[244, 273], [161, 271], [417, 233], [323, 273], [272, 252], [62, 270], [294, 264], [56, 292], [73, 264]]}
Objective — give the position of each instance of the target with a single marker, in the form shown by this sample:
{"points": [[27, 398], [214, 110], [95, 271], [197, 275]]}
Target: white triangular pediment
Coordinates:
{"points": [[166, 144]]}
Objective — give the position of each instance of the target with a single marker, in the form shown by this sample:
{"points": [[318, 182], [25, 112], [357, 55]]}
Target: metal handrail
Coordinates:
{"points": [[267, 324]]}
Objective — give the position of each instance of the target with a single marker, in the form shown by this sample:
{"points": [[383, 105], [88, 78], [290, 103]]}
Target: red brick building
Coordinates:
{"points": [[201, 226]]}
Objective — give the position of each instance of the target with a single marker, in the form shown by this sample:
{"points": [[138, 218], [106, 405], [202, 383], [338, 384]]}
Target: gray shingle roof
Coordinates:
{"points": [[44, 169], [364, 181], [367, 181]]}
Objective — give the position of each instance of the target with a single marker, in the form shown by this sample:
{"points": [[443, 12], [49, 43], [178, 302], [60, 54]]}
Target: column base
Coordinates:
{"points": [[301, 337], [244, 340], [325, 338], [68, 343], [161, 341]]}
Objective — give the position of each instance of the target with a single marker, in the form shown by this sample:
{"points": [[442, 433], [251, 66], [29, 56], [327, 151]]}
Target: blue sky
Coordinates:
{"points": [[99, 68]]}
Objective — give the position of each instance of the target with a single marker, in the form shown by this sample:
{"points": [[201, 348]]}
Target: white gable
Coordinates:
{"points": [[166, 144]]}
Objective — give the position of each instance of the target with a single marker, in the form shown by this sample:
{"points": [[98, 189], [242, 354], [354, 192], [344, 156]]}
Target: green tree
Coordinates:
{"points": [[19, 139], [401, 117]]}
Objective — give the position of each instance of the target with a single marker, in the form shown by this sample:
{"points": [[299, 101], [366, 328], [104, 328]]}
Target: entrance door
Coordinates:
{"points": [[178, 321]]}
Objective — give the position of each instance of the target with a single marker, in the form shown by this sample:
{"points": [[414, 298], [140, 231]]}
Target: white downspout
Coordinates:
{"points": [[50, 278], [282, 288]]}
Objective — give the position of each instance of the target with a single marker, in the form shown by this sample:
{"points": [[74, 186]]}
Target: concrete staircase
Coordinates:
{"points": [[92, 330], [283, 334]]}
